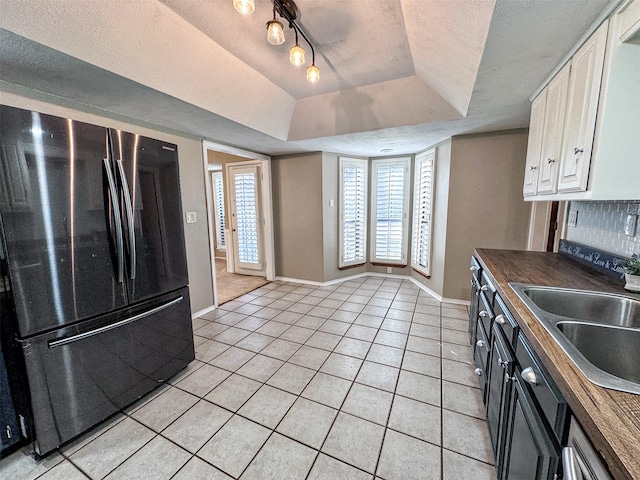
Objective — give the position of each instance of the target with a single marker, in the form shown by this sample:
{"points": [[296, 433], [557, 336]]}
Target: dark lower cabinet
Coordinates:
{"points": [[526, 414], [501, 366], [473, 309], [530, 453], [481, 358]]}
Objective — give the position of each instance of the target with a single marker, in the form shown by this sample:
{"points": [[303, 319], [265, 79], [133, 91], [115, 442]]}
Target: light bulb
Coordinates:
{"points": [[245, 7], [296, 55], [313, 74], [275, 33]]}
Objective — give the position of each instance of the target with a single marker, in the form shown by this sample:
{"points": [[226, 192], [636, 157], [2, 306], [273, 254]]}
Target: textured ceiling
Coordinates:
{"points": [[400, 74]]}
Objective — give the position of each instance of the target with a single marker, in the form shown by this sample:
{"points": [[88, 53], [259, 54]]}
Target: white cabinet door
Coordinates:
{"points": [[534, 146], [584, 90], [554, 118]]}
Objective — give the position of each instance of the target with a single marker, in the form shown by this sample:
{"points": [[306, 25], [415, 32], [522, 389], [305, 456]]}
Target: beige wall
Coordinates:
{"points": [[298, 216], [486, 208], [477, 203], [191, 182]]}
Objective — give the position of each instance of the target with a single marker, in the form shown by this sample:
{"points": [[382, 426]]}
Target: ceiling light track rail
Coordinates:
{"points": [[289, 12]]}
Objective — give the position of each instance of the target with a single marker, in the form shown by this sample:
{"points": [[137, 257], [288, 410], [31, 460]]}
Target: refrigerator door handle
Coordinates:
{"points": [[74, 338], [115, 206], [129, 211]]}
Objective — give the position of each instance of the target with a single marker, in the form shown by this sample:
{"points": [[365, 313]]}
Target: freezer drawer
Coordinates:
{"points": [[81, 375]]}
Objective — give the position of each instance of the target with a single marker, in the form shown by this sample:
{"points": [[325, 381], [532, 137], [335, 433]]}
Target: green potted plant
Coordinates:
{"points": [[632, 274]]}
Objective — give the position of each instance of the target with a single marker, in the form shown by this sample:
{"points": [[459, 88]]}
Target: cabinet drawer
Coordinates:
{"points": [[504, 318], [486, 286], [481, 357], [485, 313], [553, 406]]}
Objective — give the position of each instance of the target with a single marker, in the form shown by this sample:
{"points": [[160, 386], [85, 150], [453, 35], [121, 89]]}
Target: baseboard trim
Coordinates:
{"points": [[440, 298], [195, 315]]}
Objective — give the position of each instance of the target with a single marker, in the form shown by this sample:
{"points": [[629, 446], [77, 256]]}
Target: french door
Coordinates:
{"points": [[246, 221]]}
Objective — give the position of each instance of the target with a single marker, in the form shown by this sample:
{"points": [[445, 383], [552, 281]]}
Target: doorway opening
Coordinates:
{"points": [[238, 190], [546, 226]]}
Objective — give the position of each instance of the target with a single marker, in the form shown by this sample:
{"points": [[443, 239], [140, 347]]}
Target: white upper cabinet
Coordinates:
{"points": [[554, 127], [534, 147], [580, 121], [592, 114]]}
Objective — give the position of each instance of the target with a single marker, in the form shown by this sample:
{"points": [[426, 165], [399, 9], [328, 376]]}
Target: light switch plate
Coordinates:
{"points": [[572, 221], [630, 225], [191, 217]]}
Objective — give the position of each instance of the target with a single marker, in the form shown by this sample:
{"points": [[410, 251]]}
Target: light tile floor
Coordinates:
{"points": [[369, 378]]}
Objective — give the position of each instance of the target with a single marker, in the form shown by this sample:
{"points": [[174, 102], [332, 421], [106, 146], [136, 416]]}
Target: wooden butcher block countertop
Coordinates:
{"points": [[610, 418]]}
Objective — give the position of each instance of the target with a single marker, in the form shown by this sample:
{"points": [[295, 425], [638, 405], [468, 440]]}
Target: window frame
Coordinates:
{"points": [[416, 244], [376, 164], [358, 163]]}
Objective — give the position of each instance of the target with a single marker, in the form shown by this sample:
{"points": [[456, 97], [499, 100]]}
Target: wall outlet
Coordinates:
{"points": [[630, 225], [572, 221], [191, 217]]}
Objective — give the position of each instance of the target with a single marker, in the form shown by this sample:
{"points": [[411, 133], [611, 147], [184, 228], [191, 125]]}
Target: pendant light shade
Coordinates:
{"points": [[296, 55], [313, 74], [275, 33], [245, 7]]}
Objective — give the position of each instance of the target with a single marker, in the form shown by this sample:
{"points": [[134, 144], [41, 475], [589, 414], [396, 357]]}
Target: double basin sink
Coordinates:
{"points": [[600, 332]]}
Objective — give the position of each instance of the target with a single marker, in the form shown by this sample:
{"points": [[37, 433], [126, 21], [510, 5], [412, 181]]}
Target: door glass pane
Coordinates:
{"points": [[247, 217]]}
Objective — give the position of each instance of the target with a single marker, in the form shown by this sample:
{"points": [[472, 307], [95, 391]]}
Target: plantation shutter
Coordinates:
{"points": [[390, 209], [247, 217], [422, 212], [353, 211], [218, 207]]}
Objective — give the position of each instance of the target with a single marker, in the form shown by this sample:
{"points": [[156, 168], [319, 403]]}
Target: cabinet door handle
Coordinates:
{"points": [[478, 371], [500, 319], [533, 167], [480, 343], [529, 376], [483, 314], [578, 150], [550, 161], [484, 288], [570, 465]]}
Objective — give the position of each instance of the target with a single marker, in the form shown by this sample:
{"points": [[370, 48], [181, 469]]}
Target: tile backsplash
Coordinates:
{"points": [[601, 225]]}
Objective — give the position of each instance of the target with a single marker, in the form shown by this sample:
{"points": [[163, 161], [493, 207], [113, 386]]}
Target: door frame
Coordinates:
{"points": [[539, 226], [266, 205]]}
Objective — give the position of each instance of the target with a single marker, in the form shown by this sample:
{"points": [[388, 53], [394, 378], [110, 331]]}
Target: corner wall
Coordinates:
{"points": [[486, 207], [191, 184], [298, 216]]}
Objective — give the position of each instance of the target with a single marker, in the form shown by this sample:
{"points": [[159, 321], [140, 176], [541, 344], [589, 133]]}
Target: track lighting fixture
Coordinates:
{"points": [[245, 7], [288, 11]]}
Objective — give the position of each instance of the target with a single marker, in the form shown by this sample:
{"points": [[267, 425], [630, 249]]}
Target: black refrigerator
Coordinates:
{"points": [[97, 292]]}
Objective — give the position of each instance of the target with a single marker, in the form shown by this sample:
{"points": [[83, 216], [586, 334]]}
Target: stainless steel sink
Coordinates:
{"points": [[599, 332], [609, 309]]}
